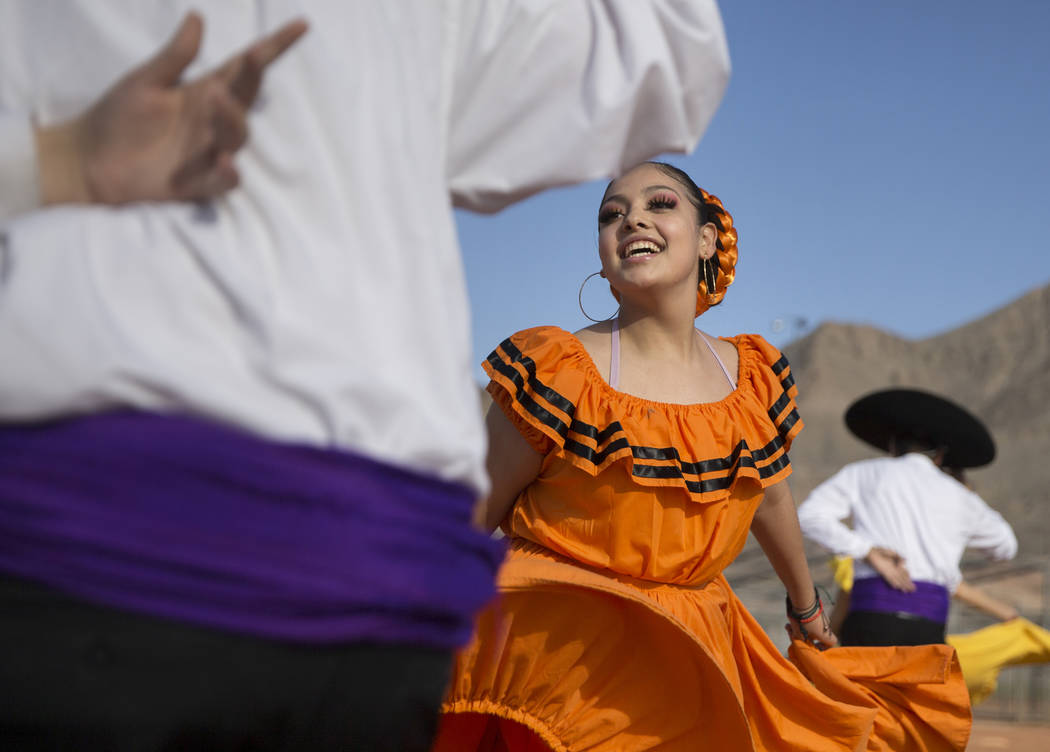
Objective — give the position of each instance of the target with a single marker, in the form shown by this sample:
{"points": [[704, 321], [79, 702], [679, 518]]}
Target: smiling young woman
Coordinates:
{"points": [[629, 461]]}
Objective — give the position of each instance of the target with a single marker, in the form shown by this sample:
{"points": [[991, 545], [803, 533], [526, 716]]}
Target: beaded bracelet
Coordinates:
{"points": [[811, 613], [814, 617], [803, 618]]}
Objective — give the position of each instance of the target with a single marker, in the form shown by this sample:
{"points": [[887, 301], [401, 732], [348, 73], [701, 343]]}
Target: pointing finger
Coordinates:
{"points": [[167, 66], [271, 47], [244, 72]]}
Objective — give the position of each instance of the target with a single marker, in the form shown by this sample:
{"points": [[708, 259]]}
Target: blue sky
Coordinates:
{"points": [[885, 163]]}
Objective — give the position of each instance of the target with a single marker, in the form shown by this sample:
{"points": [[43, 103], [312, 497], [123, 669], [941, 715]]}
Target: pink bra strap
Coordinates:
{"points": [[729, 378]]}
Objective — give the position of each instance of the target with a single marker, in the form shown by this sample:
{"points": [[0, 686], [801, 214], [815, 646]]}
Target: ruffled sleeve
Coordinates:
{"points": [[774, 391], [549, 388], [537, 378]]}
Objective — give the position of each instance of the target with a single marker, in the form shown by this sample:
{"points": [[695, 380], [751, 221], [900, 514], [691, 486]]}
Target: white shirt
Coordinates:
{"points": [[323, 301], [909, 505]]}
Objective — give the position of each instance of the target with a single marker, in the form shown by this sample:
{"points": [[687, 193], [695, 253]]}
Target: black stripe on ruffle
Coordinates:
{"points": [[787, 422], [516, 355], [597, 457], [787, 380], [730, 465], [784, 427]]}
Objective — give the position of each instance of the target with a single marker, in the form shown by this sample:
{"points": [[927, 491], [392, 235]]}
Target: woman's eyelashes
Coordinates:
{"points": [[661, 201]]}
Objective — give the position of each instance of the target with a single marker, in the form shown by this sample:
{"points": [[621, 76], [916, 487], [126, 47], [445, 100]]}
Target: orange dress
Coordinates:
{"points": [[615, 628]]}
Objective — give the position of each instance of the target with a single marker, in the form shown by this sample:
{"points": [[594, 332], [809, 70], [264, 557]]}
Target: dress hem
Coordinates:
{"points": [[488, 707]]}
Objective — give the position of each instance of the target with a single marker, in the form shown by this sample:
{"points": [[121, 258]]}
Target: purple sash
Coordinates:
{"points": [[184, 519], [929, 601]]}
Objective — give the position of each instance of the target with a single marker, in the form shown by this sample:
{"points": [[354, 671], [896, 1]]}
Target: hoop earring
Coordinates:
{"points": [[709, 276], [579, 299]]}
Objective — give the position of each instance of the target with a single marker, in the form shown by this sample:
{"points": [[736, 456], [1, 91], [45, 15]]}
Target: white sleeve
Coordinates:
{"points": [[19, 187], [822, 513], [552, 92], [989, 532]]}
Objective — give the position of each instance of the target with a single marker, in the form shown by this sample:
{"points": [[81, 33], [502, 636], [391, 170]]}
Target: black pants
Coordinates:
{"points": [[74, 676], [876, 628]]}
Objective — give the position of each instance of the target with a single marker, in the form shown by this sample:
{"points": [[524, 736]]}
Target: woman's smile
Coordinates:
{"points": [[639, 249]]}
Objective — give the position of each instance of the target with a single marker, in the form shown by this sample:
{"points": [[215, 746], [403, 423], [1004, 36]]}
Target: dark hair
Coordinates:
{"points": [[910, 441]]}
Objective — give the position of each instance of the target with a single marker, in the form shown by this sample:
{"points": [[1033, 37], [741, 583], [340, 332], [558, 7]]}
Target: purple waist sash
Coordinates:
{"points": [[184, 519], [930, 601]]}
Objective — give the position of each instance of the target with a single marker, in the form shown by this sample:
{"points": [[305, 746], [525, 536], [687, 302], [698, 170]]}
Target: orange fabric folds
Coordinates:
{"points": [[615, 630], [919, 694]]}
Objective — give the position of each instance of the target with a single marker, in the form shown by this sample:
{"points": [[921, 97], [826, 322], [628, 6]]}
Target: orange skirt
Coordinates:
{"points": [[572, 659]]}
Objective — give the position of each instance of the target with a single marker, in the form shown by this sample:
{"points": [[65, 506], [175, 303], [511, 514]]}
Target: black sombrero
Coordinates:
{"points": [[877, 417]]}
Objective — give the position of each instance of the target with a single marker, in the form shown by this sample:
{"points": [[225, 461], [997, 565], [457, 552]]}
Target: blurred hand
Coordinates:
{"points": [[152, 137], [890, 567], [1008, 613]]}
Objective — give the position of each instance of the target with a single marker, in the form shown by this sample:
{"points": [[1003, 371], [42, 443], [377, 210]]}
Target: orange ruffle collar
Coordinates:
{"points": [[549, 387]]}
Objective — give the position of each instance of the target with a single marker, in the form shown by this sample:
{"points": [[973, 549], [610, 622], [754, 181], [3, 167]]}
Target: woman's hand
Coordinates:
{"points": [[153, 138], [816, 630]]}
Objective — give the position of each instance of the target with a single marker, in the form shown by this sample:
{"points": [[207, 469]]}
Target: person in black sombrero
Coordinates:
{"points": [[911, 521]]}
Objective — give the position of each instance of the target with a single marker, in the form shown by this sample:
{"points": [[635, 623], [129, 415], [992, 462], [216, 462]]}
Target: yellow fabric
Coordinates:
{"points": [[615, 629], [842, 570], [985, 652]]}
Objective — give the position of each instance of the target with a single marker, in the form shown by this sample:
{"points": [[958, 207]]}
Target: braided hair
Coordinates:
{"points": [[709, 209]]}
